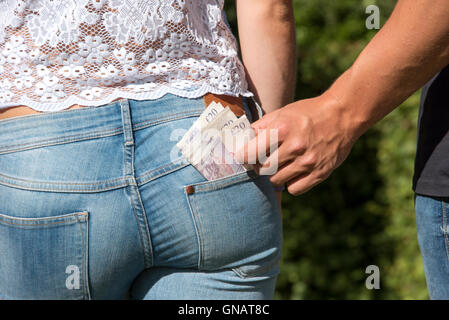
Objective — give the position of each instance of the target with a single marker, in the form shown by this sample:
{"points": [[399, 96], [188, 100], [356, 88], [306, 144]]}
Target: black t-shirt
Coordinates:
{"points": [[431, 176]]}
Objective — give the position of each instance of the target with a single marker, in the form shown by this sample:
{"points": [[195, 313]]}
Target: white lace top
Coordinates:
{"points": [[56, 53]]}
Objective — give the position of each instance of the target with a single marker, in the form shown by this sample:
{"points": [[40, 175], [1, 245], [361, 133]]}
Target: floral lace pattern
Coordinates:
{"points": [[56, 53]]}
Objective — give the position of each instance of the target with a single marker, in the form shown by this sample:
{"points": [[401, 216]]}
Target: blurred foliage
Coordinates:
{"points": [[363, 214]]}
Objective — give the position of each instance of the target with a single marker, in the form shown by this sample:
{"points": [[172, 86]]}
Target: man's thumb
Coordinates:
{"points": [[260, 124]]}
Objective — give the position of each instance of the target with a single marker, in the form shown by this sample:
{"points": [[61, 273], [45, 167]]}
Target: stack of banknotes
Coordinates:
{"points": [[211, 142]]}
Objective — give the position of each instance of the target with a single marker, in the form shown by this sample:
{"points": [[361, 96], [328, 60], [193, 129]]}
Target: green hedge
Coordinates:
{"points": [[363, 214]]}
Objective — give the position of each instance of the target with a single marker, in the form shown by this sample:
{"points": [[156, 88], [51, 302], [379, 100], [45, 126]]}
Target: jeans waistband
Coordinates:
{"points": [[31, 131]]}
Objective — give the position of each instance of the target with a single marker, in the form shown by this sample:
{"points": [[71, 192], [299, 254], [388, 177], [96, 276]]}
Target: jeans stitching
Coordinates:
{"points": [[71, 215], [163, 174], [84, 234], [38, 225], [123, 181], [224, 182], [62, 183], [56, 141], [113, 187], [140, 234], [178, 116], [86, 263], [148, 176], [101, 134], [201, 249], [195, 223], [128, 168], [144, 216]]}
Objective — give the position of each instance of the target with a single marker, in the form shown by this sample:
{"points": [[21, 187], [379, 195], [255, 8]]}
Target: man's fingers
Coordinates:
{"points": [[263, 122], [293, 166], [247, 154], [270, 165], [285, 173], [259, 124], [258, 148], [302, 184], [276, 160]]}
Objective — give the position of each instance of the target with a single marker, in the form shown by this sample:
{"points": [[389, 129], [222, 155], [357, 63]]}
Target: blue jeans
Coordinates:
{"points": [[432, 216], [95, 203]]}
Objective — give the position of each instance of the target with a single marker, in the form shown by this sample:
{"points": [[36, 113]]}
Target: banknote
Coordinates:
{"points": [[216, 161], [207, 116], [211, 141], [202, 133], [237, 136]]}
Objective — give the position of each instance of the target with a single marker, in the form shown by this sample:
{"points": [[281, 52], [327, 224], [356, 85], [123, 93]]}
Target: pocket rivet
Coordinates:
{"points": [[190, 190]]}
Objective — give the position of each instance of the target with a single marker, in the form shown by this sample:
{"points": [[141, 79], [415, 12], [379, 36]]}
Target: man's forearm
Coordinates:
{"points": [[411, 48], [268, 45]]}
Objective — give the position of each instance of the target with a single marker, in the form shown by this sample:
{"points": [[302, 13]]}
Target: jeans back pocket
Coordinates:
{"points": [[44, 258], [238, 222]]}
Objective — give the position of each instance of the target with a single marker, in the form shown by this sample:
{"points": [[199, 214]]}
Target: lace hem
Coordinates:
{"points": [[148, 95], [56, 53]]}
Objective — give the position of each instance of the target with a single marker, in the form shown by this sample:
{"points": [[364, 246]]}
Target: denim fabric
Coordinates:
{"points": [[94, 205], [432, 216]]}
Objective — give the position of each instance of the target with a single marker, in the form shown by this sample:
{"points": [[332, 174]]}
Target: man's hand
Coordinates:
{"points": [[314, 138], [316, 135]]}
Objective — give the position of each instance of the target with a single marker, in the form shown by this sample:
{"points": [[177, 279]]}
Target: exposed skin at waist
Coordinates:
{"points": [[22, 110], [18, 111]]}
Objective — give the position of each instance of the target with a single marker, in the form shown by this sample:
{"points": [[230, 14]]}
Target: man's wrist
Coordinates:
{"points": [[348, 108]]}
